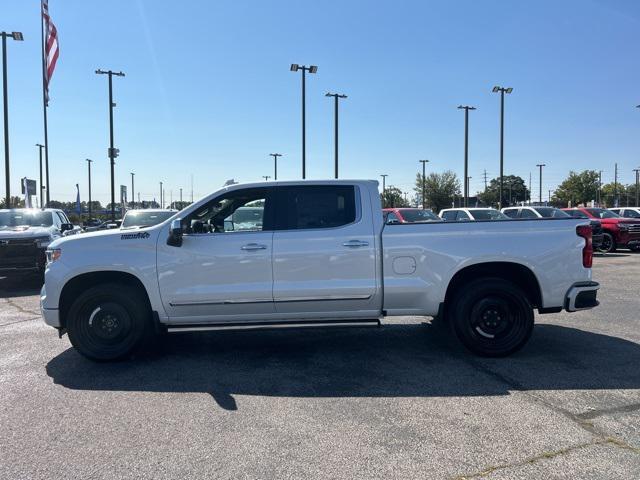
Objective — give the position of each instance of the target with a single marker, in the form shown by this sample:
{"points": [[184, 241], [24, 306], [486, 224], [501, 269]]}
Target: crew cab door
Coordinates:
{"points": [[324, 253], [222, 270]]}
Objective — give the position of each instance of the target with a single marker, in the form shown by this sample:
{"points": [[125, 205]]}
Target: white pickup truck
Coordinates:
{"points": [[312, 253]]}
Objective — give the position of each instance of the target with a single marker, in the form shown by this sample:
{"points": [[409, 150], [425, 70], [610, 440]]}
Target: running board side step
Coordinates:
{"points": [[205, 327]]}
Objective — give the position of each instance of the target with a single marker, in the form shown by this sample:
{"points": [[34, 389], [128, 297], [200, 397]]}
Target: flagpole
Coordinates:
{"points": [[44, 108]]}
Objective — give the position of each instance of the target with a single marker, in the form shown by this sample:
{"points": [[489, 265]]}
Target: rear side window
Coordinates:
{"points": [[317, 206], [511, 213], [449, 215], [462, 215], [631, 214], [526, 213]]}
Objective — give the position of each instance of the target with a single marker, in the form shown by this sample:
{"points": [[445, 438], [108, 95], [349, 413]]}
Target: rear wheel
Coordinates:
{"points": [[492, 317], [108, 322], [608, 243]]}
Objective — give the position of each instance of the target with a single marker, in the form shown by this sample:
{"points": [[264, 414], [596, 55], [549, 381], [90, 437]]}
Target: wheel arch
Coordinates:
{"points": [[516, 273], [76, 285]]}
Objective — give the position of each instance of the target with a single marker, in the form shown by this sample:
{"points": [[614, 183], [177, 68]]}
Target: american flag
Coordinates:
{"points": [[51, 50]]}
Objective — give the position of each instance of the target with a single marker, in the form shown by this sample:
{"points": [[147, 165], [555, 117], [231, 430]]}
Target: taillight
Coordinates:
{"points": [[584, 231]]}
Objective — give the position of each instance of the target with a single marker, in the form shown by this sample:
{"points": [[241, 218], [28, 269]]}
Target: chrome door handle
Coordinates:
{"points": [[355, 243], [253, 246]]}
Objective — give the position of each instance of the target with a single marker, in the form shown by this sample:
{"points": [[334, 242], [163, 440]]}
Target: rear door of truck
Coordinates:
{"points": [[324, 257]]}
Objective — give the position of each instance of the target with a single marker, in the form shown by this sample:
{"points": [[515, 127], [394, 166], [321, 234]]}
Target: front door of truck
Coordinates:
{"points": [[222, 270], [324, 253]]}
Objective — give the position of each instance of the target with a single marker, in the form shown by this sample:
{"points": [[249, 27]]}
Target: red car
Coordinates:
{"points": [[409, 215], [618, 232]]}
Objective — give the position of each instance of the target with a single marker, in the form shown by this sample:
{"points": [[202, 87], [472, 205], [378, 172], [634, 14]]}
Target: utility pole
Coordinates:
{"points": [[161, 190], [599, 192], [336, 97], [275, 164], [466, 109], [530, 188], [133, 198], [41, 196], [384, 178], [485, 180], [89, 169], [540, 165], [18, 37], [502, 91], [637, 172], [616, 201], [311, 69], [549, 198], [466, 200], [180, 197], [266, 178], [424, 184], [113, 152]]}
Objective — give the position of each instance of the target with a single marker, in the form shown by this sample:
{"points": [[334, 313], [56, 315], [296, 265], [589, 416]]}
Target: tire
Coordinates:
{"points": [[492, 317], [108, 322], [608, 243]]}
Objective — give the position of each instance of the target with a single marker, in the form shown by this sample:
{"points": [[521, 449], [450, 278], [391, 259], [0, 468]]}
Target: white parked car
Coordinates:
{"points": [[146, 217], [627, 212], [470, 214], [320, 254], [534, 212]]}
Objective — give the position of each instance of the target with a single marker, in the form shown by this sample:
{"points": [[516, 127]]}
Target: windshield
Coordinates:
{"points": [[145, 219], [412, 215], [551, 212], [602, 213], [20, 218], [488, 214]]}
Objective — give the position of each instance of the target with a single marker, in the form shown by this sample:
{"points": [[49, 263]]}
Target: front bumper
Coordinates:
{"points": [[581, 296], [51, 316]]}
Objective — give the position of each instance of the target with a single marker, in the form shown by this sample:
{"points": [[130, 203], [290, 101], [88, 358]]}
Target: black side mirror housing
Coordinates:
{"points": [[175, 233], [66, 226]]}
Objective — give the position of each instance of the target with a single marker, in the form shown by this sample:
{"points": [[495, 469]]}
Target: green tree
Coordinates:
{"points": [[577, 189], [393, 197], [611, 191], [16, 202], [514, 191], [440, 189]]}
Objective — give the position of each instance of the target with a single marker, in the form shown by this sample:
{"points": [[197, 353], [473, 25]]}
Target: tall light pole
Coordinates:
{"points": [[40, 196], [5, 96], [424, 183], [112, 152], [89, 168], [311, 69], [540, 165], [384, 180], [466, 109], [180, 197], [275, 164], [616, 202], [599, 192], [336, 97], [266, 178], [133, 198], [161, 190], [502, 91], [637, 172]]}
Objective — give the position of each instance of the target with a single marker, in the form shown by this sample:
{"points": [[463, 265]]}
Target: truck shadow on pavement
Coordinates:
{"points": [[398, 360]]}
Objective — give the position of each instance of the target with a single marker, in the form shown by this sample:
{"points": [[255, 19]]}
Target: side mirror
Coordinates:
{"points": [[175, 233], [393, 222], [66, 226]]}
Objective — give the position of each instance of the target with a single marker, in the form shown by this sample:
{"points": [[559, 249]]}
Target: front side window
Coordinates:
{"points": [[236, 211], [631, 214], [392, 218], [462, 215], [449, 215], [489, 214], [317, 206], [526, 213], [511, 213]]}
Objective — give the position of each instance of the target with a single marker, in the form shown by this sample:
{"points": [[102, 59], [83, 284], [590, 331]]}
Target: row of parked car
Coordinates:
{"points": [[612, 228]]}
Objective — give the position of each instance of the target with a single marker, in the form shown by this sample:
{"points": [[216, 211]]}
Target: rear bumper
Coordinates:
{"points": [[581, 296]]}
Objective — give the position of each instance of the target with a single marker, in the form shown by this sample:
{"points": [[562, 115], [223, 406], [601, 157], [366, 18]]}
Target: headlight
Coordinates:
{"points": [[53, 254]]}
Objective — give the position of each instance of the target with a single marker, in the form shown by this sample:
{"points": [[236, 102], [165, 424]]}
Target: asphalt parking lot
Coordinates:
{"points": [[400, 401]]}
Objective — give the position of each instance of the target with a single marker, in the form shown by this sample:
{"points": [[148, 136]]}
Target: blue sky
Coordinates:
{"points": [[208, 90]]}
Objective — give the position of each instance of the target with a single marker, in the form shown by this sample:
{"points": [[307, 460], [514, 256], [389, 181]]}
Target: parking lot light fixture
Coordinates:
{"points": [[466, 109], [88, 160], [275, 164], [384, 182], [304, 69], [540, 165], [502, 91], [424, 184], [336, 97]]}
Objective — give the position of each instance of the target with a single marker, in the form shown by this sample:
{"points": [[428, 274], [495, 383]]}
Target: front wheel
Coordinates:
{"points": [[492, 317], [107, 322], [608, 243]]}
